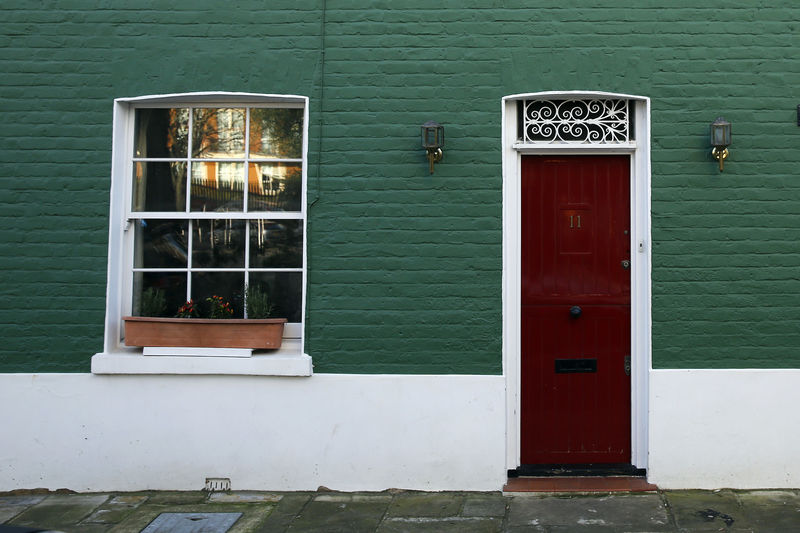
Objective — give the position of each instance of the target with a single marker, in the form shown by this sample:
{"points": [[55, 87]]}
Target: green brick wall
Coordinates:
{"points": [[405, 268]]}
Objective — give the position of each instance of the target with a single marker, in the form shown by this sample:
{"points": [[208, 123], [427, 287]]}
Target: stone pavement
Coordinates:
{"points": [[402, 511]]}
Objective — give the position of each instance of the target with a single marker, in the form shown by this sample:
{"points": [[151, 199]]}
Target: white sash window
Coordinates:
{"points": [[208, 198]]}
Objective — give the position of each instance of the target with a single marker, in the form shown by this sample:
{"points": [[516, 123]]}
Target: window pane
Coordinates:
{"points": [[160, 243], [158, 293], [159, 186], [276, 243], [285, 290], [274, 186], [228, 285], [217, 186], [218, 243], [276, 133], [218, 133], [161, 133]]}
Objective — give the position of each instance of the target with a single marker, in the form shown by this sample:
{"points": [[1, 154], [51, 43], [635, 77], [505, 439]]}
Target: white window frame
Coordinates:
{"points": [[117, 358]]}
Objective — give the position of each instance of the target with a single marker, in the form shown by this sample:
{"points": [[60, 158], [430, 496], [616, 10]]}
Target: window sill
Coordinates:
{"points": [[288, 361]]}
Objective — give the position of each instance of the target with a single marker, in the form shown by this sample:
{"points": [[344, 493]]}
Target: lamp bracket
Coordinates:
{"points": [[434, 156], [720, 154]]}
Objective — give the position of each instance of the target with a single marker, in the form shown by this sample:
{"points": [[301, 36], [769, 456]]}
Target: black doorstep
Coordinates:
{"points": [[578, 470]]}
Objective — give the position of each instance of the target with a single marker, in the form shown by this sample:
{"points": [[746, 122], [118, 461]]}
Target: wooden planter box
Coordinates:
{"points": [[256, 333]]}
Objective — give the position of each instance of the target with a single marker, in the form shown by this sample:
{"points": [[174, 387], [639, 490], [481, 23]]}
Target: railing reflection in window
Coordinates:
{"points": [[276, 244], [271, 187], [218, 243], [274, 187]]}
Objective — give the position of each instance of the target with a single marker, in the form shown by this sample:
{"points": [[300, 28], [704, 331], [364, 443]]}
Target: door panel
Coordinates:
{"points": [[575, 240]]}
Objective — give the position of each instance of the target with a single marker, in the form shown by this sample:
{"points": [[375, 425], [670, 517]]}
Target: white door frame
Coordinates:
{"points": [[639, 150]]}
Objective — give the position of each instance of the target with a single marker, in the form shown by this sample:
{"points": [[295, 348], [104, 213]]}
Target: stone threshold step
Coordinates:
{"points": [[579, 484]]}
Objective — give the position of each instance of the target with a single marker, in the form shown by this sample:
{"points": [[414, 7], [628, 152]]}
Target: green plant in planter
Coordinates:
{"points": [[258, 303], [219, 308], [153, 303]]}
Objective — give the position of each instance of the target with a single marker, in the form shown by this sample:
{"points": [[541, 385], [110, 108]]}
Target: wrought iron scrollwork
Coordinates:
{"points": [[576, 121]]}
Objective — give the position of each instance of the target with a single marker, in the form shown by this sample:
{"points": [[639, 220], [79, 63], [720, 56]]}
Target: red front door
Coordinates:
{"points": [[575, 310]]}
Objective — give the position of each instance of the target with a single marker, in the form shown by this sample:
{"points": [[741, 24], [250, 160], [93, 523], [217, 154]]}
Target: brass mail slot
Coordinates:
{"points": [[574, 366]]}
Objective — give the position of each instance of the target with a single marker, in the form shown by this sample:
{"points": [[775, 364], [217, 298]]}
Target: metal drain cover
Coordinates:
{"points": [[192, 523]]}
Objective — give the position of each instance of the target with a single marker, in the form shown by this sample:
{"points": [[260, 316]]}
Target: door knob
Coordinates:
{"points": [[575, 311]]}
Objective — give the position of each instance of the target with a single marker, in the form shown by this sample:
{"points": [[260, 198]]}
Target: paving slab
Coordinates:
{"points": [[347, 498], [11, 506], [584, 528], [339, 517], [61, 512], [769, 511], [244, 497], [252, 515], [284, 513], [642, 512], [529, 528], [441, 525], [696, 510], [485, 505], [192, 523], [178, 498], [768, 497], [431, 505], [116, 509]]}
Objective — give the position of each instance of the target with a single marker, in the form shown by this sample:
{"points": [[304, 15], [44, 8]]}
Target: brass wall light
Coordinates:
{"points": [[720, 140], [433, 141]]}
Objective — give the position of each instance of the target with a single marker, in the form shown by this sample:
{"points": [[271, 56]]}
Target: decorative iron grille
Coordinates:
{"points": [[576, 121]]}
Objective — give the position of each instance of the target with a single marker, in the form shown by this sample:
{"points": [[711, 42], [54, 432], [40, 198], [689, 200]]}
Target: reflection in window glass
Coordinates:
{"points": [[158, 293], [276, 244], [276, 133], [228, 285], [160, 243], [285, 290], [159, 186], [274, 186], [161, 133], [218, 243], [217, 186], [188, 256], [218, 133]]}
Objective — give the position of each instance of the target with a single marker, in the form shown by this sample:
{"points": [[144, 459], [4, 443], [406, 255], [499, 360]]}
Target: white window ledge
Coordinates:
{"points": [[284, 362]]}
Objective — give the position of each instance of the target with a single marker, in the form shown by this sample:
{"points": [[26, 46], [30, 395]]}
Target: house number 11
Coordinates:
{"points": [[572, 221]]}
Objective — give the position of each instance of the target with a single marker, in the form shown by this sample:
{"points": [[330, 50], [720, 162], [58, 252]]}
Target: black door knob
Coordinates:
{"points": [[575, 311]]}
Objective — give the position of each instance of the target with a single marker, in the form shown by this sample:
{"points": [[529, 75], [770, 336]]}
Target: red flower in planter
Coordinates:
{"points": [[187, 310]]}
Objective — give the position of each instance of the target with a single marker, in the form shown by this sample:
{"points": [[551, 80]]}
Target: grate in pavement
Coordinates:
{"points": [[192, 523]]}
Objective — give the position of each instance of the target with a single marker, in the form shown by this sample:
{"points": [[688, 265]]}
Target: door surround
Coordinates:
{"points": [[639, 149]]}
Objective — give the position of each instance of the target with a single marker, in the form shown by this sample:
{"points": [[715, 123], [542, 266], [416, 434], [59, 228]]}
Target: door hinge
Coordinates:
{"points": [[627, 365]]}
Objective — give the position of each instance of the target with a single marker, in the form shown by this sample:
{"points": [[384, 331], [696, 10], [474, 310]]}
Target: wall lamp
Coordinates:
{"points": [[720, 140], [433, 141]]}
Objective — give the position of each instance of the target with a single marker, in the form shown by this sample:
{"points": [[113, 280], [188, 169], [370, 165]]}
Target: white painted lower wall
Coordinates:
{"points": [[707, 429], [347, 432], [724, 428]]}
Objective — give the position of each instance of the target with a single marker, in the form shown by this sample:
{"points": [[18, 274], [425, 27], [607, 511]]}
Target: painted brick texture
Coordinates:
{"points": [[405, 269]]}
